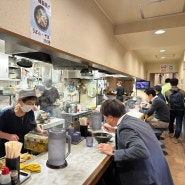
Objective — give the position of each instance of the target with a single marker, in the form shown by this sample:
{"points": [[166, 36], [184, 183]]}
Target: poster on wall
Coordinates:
{"points": [[41, 21], [164, 68]]}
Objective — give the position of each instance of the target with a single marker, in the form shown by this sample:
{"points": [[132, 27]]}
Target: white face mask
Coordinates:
{"points": [[47, 88], [26, 108], [38, 95]]}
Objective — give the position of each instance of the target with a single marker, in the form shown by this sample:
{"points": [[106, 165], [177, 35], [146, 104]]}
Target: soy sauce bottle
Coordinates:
{"points": [[5, 178]]}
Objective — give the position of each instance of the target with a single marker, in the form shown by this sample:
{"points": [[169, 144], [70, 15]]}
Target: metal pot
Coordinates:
{"points": [[73, 108]]}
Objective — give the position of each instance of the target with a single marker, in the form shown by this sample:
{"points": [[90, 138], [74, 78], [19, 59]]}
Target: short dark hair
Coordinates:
{"points": [[113, 107], [150, 91], [174, 81], [157, 88], [167, 80]]}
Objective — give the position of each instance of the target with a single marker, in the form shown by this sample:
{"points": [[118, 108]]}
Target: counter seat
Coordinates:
{"points": [[85, 167]]}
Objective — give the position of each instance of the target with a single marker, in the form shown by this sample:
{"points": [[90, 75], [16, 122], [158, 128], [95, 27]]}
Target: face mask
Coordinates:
{"points": [[38, 95], [26, 108], [47, 88]]}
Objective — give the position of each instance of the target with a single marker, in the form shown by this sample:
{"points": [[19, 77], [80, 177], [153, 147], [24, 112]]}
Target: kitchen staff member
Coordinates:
{"points": [[17, 121], [138, 156], [119, 91], [49, 97], [39, 90]]}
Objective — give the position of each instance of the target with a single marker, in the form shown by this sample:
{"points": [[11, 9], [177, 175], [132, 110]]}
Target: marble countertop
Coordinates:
{"points": [[83, 163], [134, 113]]}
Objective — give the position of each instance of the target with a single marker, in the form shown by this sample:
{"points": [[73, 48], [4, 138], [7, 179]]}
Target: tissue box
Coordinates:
{"points": [[36, 142]]}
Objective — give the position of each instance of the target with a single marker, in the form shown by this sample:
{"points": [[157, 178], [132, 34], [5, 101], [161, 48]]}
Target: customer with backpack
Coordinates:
{"points": [[175, 99]]}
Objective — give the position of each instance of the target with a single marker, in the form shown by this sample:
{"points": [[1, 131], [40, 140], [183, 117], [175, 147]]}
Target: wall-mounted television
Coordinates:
{"points": [[142, 84]]}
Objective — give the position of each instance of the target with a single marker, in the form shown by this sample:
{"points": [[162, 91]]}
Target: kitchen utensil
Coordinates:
{"points": [[24, 63], [13, 149], [57, 148], [102, 137], [83, 121], [73, 108], [96, 120]]}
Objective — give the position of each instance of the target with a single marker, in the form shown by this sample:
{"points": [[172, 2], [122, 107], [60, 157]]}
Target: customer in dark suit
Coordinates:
{"points": [[138, 156]]}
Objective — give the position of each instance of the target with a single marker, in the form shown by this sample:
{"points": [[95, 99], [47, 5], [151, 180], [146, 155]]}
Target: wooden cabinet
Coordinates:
{"points": [[111, 84]]}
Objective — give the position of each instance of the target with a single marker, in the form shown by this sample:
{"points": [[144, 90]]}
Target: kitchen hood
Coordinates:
{"points": [[40, 56], [77, 74]]}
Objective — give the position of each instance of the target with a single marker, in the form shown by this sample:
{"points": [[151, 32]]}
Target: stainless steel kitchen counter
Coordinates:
{"points": [[53, 122], [71, 117], [85, 166], [78, 113]]}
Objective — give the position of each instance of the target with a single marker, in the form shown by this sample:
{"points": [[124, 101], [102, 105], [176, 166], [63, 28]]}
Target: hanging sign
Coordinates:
{"points": [[166, 68], [41, 21]]}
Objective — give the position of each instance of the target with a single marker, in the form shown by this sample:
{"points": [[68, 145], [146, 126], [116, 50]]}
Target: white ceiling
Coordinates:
{"points": [[136, 20]]}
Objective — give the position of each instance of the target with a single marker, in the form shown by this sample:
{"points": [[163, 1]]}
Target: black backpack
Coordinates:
{"points": [[176, 99]]}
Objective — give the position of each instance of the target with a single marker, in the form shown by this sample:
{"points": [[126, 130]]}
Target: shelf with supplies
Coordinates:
{"points": [[10, 79]]}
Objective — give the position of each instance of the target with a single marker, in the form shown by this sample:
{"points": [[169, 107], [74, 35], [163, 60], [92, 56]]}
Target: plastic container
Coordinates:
{"points": [[5, 178], [36, 142], [96, 120]]}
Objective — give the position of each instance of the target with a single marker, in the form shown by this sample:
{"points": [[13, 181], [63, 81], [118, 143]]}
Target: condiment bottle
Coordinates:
{"points": [[5, 178], [14, 177]]}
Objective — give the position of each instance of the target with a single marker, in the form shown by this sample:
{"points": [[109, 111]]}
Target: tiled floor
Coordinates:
{"points": [[175, 159]]}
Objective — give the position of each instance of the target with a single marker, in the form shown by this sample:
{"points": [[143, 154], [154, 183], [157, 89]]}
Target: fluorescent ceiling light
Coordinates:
{"points": [[115, 75], [160, 32], [163, 57], [162, 50]]}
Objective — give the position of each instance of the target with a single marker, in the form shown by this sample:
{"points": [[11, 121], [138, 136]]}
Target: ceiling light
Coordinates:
{"points": [[163, 57], [160, 32], [162, 50]]}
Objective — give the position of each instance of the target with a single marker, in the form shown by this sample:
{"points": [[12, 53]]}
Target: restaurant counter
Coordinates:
{"points": [[85, 166]]}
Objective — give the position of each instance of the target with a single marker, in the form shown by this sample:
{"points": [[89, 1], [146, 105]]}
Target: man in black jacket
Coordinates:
{"points": [[176, 113]]}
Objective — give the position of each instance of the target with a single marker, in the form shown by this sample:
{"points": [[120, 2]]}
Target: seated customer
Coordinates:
{"points": [[137, 156], [16, 122], [158, 108]]}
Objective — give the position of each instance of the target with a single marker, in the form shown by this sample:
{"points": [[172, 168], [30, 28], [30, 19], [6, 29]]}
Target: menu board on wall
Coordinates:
{"points": [[41, 21], [164, 68]]}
